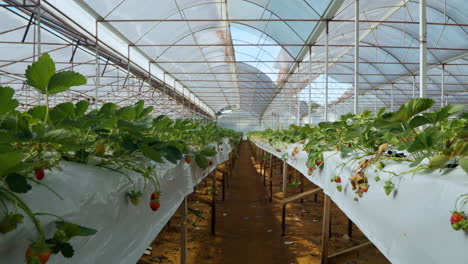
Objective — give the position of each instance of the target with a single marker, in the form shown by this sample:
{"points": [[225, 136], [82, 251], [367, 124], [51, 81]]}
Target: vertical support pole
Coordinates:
{"points": [[98, 70], [350, 228], [302, 185], [285, 178], [213, 204], [414, 86], [442, 86], [224, 183], [229, 172], [271, 177], [326, 73], [38, 10], [325, 229], [283, 220], [309, 112], [375, 102], [283, 215], [264, 172], [298, 102], [183, 241], [391, 97], [356, 56], [422, 49]]}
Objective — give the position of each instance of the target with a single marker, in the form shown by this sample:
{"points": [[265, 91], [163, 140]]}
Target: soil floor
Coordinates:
{"points": [[248, 225]]}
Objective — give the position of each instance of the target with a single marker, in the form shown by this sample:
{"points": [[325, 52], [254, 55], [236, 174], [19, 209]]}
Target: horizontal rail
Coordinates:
{"points": [[299, 196]]}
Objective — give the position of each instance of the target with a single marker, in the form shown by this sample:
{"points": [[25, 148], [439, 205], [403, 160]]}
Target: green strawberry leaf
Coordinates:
{"points": [[66, 231], [38, 112], [80, 108], [201, 161], [208, 151], [418, 121], [6, 97], [9, 160], [172, 153], [67, 250], [62, 112], [151, 153], [17, 183], [464, 164], [412, 108], [62, 81], [39, 73]]}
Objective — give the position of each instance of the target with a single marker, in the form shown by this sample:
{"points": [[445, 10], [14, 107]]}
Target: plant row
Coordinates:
{"points": [[429, 140], [121, 139]]}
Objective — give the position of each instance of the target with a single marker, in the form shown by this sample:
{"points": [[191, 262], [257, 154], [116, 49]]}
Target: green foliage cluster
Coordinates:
{"points": [[412, 132], [117, 138]]}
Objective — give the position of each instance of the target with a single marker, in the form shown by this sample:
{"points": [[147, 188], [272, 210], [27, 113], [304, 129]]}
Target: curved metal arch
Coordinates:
{"points": [[210, 68], [259, 47], [441, 12], [347, 67], [191, 6], [275, 14], [218, 27], [416, 39], [226, 65]]}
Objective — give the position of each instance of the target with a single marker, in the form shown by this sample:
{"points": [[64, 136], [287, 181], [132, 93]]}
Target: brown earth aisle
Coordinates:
{"points": [[248, 227], [251, 232]]}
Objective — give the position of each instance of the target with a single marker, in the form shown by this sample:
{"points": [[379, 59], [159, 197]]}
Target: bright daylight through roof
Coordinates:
{"points": [[233, 131]]}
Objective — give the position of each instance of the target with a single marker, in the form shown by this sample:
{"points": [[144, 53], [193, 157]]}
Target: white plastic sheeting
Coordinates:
{"points": [[412, 224], [95, 197]]}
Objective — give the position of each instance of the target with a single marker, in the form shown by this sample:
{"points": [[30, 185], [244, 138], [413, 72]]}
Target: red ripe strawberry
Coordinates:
{"points": [[39, 173], [154, 205], [319, 162], [309, 173], [338, 180], [211, 163], [188, 159], [364, 187], [155, 195], [154, 202], [100, 148], [34, 254], [456, 217], [307, 150], [310, 169]]}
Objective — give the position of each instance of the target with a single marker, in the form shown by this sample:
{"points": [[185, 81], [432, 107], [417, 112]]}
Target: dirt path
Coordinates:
{"points": [[248, 226], [250, 231]]}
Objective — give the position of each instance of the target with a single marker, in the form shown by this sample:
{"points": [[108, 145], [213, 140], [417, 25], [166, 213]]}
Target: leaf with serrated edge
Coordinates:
{"points": [[38, 74], [62, 81]]}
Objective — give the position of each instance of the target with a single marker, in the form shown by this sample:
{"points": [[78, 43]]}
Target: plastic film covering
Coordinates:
{"points": [[388, 58], [410, 226], [95, 197]]}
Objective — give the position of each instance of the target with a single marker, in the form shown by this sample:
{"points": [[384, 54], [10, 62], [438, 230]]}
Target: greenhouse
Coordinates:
{"points": [[233, 131]]}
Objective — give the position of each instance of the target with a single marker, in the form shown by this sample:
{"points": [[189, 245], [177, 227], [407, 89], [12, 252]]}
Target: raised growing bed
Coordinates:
{"points": [[95, 197], [412, 224]]}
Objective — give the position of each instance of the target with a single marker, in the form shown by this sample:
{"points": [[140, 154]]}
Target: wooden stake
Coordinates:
{"points": [[325, 229], [285, 178], [183, 241], [213, 205], [224, 185], [271, 176]]}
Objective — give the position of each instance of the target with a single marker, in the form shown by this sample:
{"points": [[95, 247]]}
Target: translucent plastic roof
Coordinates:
{"points": [[199, 41], [203, 56]]}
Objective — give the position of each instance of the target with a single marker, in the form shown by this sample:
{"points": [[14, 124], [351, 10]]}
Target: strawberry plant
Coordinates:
{"points": [[428, 140], [117, 138]]}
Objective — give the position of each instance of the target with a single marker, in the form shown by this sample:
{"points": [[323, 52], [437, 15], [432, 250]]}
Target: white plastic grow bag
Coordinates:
{"points": [[410, 226], [95, 197]]}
